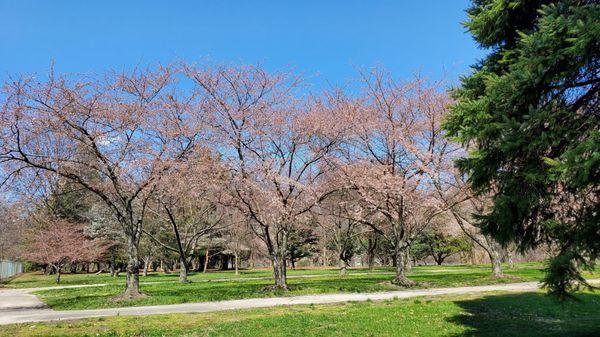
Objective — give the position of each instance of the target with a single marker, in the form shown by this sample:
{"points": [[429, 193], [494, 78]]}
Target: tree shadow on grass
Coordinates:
{"points": [[530, 314]]}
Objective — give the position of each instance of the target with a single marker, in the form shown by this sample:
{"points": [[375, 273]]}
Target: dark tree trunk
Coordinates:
{"points": [[57, 274], [224, 262], [112, 267], [279, 271], [198, 263], [183, 261], [132, 289], [278, 253], [371, 247]]}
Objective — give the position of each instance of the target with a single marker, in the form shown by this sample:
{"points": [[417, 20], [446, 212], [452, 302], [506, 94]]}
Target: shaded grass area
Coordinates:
{"points": [[205, 290], [527, 314]]}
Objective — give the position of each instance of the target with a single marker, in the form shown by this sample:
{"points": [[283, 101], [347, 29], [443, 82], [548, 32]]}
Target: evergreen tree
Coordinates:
{"points": [[529, 114], [440, 245]]}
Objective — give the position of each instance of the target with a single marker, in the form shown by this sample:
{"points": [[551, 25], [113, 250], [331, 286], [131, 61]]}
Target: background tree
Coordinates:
{"points": [[13, 227], [440, 245], [186, 205], [238, 236], [114, 136], [276, 147], [529, 114], [339, 230], [389, 157], [103, 225], [370, 242], [419, 251], [463, 205], [302, 243], [60, 242]]}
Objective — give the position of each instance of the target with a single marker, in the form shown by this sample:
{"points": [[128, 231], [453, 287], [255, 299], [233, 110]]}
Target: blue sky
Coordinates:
{"points": [[326, 39]]}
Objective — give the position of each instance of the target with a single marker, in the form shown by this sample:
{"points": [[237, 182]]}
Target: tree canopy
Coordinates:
{"points": [[529, 114]]}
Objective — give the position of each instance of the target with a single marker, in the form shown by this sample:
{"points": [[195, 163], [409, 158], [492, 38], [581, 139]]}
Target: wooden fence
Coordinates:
{"points": [[9, 269]]}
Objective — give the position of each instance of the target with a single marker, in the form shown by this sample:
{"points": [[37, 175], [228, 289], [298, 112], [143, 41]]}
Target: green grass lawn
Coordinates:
{"points": [[509, 315], [34, 280], [164, 289], [203, 289]]}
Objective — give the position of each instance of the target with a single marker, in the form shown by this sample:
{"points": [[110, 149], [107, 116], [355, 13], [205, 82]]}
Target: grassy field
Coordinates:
{"points": [[34, 280], [164, 289], [527, 314]]}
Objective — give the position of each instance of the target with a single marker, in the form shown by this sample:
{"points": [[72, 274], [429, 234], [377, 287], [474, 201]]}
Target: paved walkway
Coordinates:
{"points": [[21, 307]]}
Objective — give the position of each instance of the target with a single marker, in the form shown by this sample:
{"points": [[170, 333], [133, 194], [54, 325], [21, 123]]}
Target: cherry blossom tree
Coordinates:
{"points": [[131, 128], [464, 206], [12, 228], [276, 145], [339, 230], [61, 242], [237, 241], [187, 204], [389, 158]]}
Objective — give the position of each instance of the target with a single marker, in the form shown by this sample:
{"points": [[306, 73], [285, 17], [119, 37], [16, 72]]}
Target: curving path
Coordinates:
{"points": [[18, 306]]}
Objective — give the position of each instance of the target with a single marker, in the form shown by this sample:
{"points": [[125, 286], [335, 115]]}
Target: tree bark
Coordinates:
{"points": [[509, 258], [112, 267], [183, 261], [206, 259], [183, 270], [495, 257], [57, 277], [371, 246], [407, 261], [399, 260], [236, 262], [146, 265], [279, 270], [133, 269], [343, 268], [488, 244]]}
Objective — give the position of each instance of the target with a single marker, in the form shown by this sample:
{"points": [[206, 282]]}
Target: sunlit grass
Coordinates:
{"points": [[510, 315], [225, 285]]}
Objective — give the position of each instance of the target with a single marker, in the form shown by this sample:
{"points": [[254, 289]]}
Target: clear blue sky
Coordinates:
{"points": [[323, 38]]}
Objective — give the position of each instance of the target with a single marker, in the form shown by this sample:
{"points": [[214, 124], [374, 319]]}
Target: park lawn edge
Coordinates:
{"points": [[429, 315]]}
